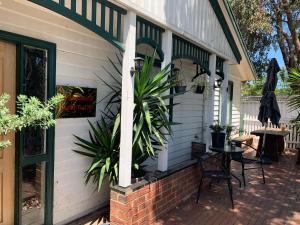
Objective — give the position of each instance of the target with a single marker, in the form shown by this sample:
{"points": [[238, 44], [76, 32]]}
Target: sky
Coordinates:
{"points": [[276, 54]]}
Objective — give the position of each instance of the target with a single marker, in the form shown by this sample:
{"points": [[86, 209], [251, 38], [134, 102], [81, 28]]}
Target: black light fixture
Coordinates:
{"points": [[138, 65]]}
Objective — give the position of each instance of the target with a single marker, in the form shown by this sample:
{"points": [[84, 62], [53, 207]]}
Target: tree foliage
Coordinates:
{"points": [[31, 112], [269, 22], [285, 18], [255, 26]]}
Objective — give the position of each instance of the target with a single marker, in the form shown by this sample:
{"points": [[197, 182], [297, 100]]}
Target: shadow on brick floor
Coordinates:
{"points": [[276, 202]]}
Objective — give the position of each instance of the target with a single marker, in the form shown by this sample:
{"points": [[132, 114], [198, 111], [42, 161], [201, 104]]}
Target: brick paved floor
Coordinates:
{"points": [[276, 202]]}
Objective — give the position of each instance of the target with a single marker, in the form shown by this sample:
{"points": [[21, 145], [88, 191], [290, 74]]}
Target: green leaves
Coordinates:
{"points": [[31, 112], [103, 148], [151, 124]]}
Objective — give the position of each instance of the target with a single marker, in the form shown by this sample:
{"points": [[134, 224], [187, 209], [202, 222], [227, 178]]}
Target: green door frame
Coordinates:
{"points": [[48, 157]]}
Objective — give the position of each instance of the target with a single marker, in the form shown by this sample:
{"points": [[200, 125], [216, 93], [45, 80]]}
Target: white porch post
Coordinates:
{"points": [[167, 49], [210, 99], [224, 94], [127, 104]]}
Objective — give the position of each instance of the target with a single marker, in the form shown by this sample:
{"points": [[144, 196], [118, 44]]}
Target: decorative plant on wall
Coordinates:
{"points": [[294, 96], [151, 124], [31, 112]]}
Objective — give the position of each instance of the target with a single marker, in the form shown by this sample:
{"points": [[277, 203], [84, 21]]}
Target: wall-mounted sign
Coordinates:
{"points": [[79, 102]]}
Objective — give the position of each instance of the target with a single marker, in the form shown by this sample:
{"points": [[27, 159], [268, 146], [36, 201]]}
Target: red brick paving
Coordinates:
{"points": [[276, 202]]}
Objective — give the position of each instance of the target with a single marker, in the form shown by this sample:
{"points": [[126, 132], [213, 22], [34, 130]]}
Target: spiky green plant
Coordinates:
{"points": [[151, 125], [103, 148], [294, 96]]}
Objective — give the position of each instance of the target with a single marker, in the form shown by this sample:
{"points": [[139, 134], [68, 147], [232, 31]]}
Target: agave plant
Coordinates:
{"points": [[103, 149], [151, 124], [294, 96]]}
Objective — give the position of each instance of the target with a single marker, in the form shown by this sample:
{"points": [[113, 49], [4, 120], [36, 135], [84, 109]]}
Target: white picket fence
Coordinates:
{"points": [[249, 122]]}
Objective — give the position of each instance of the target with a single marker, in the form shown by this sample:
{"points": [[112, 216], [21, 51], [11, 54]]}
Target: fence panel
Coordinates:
{"points": [[249, 112]]}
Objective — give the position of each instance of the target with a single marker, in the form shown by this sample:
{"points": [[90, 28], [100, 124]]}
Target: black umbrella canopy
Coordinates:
{"points": [[268, 104]]}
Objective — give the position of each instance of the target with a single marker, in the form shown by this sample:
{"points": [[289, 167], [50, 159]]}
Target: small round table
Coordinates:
{"points": [[226, 152]]}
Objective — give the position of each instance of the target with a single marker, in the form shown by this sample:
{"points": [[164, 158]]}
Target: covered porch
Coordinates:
{"points": [[277, 202]]}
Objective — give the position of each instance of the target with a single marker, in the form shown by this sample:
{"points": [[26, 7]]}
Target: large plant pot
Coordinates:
{"points": [[218, 140], [180, 89]]}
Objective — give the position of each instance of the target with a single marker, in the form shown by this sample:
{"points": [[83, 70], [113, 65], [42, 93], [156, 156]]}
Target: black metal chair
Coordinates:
{"points": [[252, 162], [217, 173]]}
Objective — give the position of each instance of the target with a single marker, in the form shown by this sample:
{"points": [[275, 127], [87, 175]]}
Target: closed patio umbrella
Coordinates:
{"points": [[268, 104]]}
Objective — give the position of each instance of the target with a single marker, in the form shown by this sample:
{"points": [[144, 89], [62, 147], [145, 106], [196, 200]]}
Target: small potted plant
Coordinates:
{"points": [[200, 85], [217, 135], [229, 130]]}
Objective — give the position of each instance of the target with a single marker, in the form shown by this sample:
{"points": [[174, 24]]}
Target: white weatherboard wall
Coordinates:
{"points": [[195, 19], [80, 55], [236, 101], [189, 114]]}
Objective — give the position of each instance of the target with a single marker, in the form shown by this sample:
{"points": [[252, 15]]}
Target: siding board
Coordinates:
{"points": [[80, 55]]}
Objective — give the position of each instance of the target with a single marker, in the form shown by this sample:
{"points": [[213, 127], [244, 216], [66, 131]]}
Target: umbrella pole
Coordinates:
{"points": [[264, 159]]}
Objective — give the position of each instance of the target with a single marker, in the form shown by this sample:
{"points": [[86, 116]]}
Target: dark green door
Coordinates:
{"points": [[34, 147]]}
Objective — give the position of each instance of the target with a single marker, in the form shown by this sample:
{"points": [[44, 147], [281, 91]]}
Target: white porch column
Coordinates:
{"points": [[224, 94], [210, 99], [167, 49], [127, 104]]}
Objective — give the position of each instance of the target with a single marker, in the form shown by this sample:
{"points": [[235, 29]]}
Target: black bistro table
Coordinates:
{"points": [[226, 152]]}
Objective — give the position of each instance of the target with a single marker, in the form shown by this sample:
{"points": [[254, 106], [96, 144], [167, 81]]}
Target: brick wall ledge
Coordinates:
{"points": [[144, 202], [152, 177]]}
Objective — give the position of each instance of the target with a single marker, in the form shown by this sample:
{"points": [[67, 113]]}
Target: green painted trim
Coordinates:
{"points": [[73, 5], [111, 21], [119, 26], [219, 64], [82, 20], [48, 157], [218, 11], [94, 11], [152, 35], [184, 49], [238, 31], [153, 44], [83, 8], [157, 62], [113, 6], [150, 24]]}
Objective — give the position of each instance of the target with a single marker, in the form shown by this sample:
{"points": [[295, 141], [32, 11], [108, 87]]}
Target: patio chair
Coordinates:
{"points": [[250, 163], [215, 173]]}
